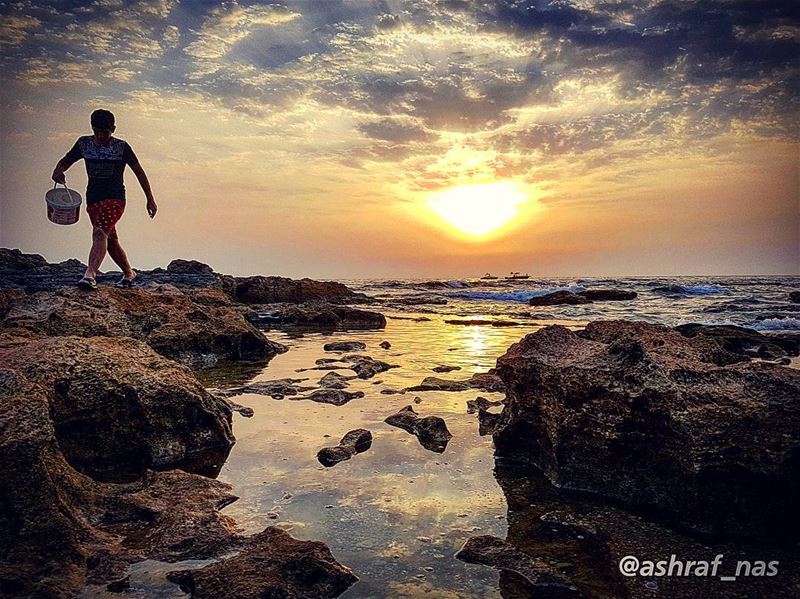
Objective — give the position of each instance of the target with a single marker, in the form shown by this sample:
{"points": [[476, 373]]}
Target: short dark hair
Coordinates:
{"points": [[102, 119]]}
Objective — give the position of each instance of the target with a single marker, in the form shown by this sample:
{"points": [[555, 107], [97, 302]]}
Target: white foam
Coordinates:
{"points": [[515, 295], [777, 324]]}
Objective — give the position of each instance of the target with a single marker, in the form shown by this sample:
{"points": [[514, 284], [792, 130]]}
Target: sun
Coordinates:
{"points": [[478, 210]]}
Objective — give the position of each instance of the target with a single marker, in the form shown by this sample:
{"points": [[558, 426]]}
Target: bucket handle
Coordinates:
{"points": [[69, 191]]}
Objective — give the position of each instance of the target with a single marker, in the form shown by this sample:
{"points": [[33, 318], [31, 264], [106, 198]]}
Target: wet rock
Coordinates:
{"points": [[385, 344], [343, 346], [276, 389], [432, 383], [271, 290], [243, 410], [444, 368], [794, 297], [119, 586], [608, 295], [640, 413], [118, 408], [431, 431], [486, 381], [366, 367], [481, 403], [559, 298], [334, 380], [744, 341], [393, 391], [497, 553], [413, 318], [336, 397], [271, 564], [62, 530], [355, 441], [171, 323], [415, 300], [316, 315]]}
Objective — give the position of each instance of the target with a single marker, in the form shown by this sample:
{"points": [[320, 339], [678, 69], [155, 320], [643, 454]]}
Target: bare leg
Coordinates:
{"points": [[119, 257], [97, 253]]}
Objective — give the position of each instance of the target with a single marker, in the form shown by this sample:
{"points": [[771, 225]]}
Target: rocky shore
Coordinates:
{"points": [[109, 444]]}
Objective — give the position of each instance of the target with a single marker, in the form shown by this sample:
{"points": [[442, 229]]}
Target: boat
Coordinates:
{"points": [[515, 276], [488, 277]]}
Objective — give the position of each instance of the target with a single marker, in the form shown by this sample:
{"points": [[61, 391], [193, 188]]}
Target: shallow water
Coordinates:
{"points": [[397, 513]]}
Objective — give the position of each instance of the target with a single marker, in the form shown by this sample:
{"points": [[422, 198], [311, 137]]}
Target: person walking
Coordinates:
{"points": [[105, 157]]}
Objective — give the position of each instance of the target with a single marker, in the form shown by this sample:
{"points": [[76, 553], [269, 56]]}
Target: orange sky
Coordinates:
{"points": [[312, 141]]}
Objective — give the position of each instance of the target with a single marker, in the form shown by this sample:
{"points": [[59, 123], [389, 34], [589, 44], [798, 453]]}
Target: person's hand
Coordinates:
{"points": [[152, 208], [58, 177]]}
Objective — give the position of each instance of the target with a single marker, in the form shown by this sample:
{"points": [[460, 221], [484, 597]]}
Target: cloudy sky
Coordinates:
{"points": [[347, 138]]}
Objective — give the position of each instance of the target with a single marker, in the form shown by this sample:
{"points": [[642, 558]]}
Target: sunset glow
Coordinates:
{"points": [[478, 210]]}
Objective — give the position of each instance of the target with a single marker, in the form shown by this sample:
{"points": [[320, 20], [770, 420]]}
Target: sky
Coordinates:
{"points": [[419, 138]]}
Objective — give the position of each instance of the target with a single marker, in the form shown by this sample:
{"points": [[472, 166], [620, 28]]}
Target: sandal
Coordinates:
{"points": [[124, 283], [87, 283]]}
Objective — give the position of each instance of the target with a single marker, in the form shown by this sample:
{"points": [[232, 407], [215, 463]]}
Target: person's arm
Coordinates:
{"points": [[142, 177], [67, 161]]}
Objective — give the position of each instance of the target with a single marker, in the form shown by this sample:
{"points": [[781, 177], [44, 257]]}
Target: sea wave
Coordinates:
{"points": [[777, 324], [514, 295], [692, 290]]}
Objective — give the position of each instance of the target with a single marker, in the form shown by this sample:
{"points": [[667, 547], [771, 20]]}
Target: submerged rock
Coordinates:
{"points": [[608, 295], [276, 389], [483, 322], [497, 553], [558, 298], [118, 408], [366, 367], [432, 383], [642, 414], [343, 346], [444, 368], [334, 380], [355, 441], [385, 344], [336, 397], [431, 431], [272, 564]]}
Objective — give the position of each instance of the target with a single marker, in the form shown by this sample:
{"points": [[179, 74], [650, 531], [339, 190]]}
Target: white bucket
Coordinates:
{"points": [[63, 205]]}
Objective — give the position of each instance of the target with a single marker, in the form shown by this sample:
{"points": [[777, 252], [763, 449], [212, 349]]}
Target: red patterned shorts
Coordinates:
{"points": [[105, 214]]}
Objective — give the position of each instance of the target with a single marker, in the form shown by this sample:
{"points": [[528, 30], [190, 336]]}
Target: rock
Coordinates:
{"points": [[343, 346], [118, 408], [271, 290], [794, 297], [272, 564], [431, 431], [243, 410], [432, 383], [497, 553], [393, 391], [559, 298], [444, 368], [61, 530], [336, 397], [608, 295], [385, 344], [13, 261], [366, 367], [277, 389], [413, 318], [334, 380], [744, 341], [119, 586], [316, 315], [189, 267], [355, 441], [486, 381], [481, 403], [171, 323], [642, 414], [487, 422], [415, 300]]}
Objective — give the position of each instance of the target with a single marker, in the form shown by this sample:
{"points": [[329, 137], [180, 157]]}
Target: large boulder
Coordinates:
{"points": [[316, 315], [271, 290], [642, 414], [60, 529], [608, 295], [559, 298], [118, 408], [169, 320], [271, 564], [744, 341]]}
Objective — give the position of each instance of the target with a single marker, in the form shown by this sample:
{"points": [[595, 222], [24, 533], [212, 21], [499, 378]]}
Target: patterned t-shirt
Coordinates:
{"points": [[104, 165]]}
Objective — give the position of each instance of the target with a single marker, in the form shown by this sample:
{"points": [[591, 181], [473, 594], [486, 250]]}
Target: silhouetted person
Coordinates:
{"points": [[105, 157]]}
